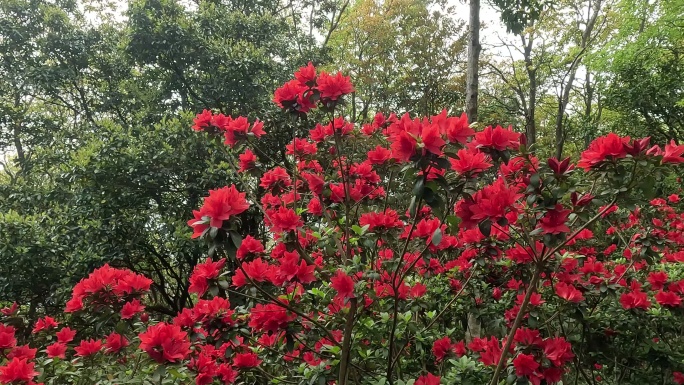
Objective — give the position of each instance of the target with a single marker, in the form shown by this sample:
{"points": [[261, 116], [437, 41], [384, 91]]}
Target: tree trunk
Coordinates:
{"points": [[562, 105], [530, 118], [473, 61], [588, 99], [16, 136], [474, 328]]}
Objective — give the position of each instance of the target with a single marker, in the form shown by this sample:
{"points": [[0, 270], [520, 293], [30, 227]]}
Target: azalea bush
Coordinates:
{"points": [[400, 251]]}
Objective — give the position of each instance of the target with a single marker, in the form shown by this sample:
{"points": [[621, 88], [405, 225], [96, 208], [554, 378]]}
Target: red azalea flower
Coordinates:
{"points": [[635, 300], [44, 324], [202, 120], [403, 146], [343, 284], [8, 311], [381, 221], [17, 371], [203, 273], [678, 377], [331, 87], [569, 292], [430, 379], [249, 246], [257, 270], [56, 350], [115, 342], [657, 279], [535, 299], [239, 128], [269, 317], [460, 348], [560, 167], [131, 308], [315, 207], [458, 130], [222, 204], [165, 343], [418, 290], [227, 373], [528, 337], [431, 139], [492, 202], [470, 162], [673, 153], [105, 286], [7, 338], [525, 365], [668, 299], [88, 348], [558, 351], [306, 75], [65, 335], [301, 148], [497, 138], [379, 155], [290, 94], [609, 147], [554, 220], [276, 180], [247, 160], [441, 348], [246, 360], [198, 224], [22, 352], [284, 219]]}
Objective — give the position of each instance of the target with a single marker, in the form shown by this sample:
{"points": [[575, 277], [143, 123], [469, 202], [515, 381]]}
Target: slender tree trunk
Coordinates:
{"points": [[530, 121], [592, 16], [530, 115], [474, 328], [560, 116], [473, 61], [16, 136], [588, 99]]}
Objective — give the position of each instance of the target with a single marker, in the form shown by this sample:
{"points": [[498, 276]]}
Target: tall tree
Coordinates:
{"points": [[643, 67], [95, 116], [404, 55], [544, 59], [474, 48]]}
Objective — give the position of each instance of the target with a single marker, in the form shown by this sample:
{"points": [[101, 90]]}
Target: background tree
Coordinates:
{"points": [[96, 113], [404, 55]]}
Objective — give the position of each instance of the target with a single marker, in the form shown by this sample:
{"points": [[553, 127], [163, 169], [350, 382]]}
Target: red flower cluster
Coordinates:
{"points": [[545, 358], [492, 203], [443, 348], [203, 274], [165, 343], [301, 93], [44, 324], [612, 147], [219, 206], [18, 371], [338, 247], [234, 130], [109, 287]]}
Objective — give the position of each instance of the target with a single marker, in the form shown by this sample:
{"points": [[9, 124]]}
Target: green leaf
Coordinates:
{"points": [[236, 238], [419, 188], [535, 181], [485, 227], [437, 237]]}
